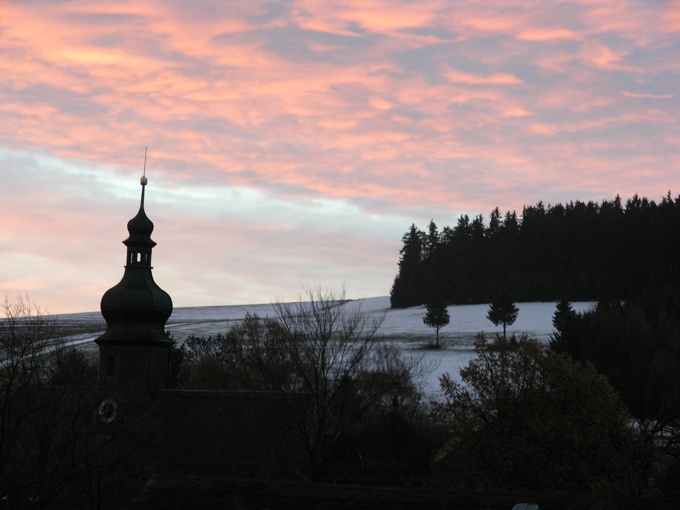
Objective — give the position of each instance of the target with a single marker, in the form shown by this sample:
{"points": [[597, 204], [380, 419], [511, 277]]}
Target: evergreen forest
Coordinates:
{"points": [[586, 251]]}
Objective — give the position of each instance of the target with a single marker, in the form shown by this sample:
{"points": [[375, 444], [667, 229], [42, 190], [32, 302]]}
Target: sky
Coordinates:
{"points": [[292, 143]]}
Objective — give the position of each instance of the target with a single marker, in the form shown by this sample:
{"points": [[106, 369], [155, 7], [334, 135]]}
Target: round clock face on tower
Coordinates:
{"points": [[108, 410]]}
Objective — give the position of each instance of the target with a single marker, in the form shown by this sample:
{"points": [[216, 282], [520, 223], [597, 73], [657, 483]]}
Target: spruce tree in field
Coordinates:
{"points": [[502, 310], [437, 315], [563, 338], [406, 290], [564, 314]]}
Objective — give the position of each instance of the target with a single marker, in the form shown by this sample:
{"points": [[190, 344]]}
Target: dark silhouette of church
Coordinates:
{"points": [[135, 348], [218, 449]]}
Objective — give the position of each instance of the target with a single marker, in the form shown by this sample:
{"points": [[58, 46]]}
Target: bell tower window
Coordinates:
{"points": [[139, 257]]}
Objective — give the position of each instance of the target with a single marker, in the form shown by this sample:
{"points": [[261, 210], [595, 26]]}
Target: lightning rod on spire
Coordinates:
{"points": [[144, 180]]}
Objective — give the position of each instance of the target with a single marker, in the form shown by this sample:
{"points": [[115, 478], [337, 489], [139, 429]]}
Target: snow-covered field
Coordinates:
{"points": [[403, 328]]}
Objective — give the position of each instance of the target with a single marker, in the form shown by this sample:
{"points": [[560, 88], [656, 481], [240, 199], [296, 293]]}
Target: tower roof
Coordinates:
{"points": [[137, 309], [140, 227]]}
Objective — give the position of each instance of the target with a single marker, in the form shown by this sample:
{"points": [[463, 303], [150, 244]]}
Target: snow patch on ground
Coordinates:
{"points": [[403, 328]]}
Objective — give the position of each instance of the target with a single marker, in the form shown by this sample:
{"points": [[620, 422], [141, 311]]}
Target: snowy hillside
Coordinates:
{"points": [[404, 328], [405, 324]]}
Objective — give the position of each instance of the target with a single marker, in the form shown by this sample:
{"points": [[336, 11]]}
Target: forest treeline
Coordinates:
{"points": [[586, 251]]}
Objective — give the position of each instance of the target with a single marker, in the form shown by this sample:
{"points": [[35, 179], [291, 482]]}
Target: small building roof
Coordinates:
{"points": [[190, 491]]}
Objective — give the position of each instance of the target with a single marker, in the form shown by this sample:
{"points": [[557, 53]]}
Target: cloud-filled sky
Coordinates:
{"points": [[292, 143]]}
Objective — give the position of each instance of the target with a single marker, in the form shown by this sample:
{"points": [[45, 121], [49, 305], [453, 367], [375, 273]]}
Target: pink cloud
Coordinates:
{"points": [[364, 103], [546, 34], [647, 95], [598, 54], [373, 15], [671, 17], [507, 23], [469, 79], [558, 61]]}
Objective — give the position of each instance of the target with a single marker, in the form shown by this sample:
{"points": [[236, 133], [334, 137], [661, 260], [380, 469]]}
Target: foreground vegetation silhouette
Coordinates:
{"points": [[59, 446], [335, 380], [635, 343], [525, 418], [522, 417]]}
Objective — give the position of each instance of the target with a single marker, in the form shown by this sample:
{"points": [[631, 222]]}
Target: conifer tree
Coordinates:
{"points": [[563, 315], [502, 310], [588, 250], [431, 241], [437, 315], [563, 338], [406, 289]]}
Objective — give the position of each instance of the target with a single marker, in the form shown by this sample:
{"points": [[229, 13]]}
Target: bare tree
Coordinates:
{"points": [[25, 334], [322, 356], [339, 365], [56, 444]]}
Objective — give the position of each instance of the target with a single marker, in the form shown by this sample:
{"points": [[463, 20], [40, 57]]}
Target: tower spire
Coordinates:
{"points": [[143, 180], [134, 349]]}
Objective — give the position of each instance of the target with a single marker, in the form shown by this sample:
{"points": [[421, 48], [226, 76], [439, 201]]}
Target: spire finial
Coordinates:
{"points": [[144, 180]]}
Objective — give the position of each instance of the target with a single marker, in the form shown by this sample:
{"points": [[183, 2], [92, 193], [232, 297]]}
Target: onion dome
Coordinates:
{"points": [[137, 309], [140, 227]]}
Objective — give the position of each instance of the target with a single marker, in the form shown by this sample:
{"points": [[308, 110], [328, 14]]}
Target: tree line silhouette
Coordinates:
{"points": [[584, 250]]}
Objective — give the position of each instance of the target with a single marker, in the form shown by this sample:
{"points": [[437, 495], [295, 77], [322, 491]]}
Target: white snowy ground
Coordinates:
{"points": [[403, 328]]}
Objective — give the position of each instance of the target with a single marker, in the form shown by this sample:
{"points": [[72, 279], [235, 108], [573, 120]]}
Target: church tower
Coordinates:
{"points": [[134, 350]]}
